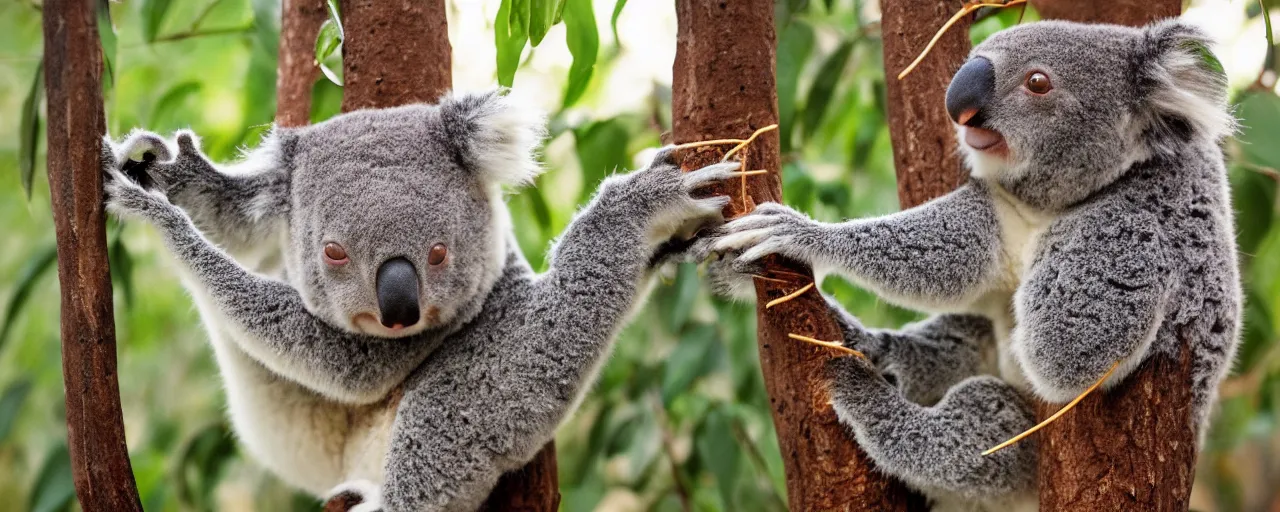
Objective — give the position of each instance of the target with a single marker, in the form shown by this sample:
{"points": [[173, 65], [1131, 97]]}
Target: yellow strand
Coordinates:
{"points": [[1055, 416]]}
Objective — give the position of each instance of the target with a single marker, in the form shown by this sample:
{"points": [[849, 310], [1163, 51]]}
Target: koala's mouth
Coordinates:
{"points": [[368, 323], [983, 139]]}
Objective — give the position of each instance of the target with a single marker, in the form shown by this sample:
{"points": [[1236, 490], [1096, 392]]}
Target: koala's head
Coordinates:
{"points": [[397, 222], [1054, 111]]}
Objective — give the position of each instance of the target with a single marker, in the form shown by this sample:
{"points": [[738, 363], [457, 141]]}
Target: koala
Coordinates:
{"points": [[398, 349], [1096, 225]]}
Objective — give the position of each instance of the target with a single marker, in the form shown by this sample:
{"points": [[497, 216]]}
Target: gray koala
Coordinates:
{"points": [[398, 348], [1095, 227]]}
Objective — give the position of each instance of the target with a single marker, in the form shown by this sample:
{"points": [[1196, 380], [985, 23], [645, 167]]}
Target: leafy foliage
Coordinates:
{"points": [[679, 419]]}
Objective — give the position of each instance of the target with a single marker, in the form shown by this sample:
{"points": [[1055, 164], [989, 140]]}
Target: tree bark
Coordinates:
{"points": [[1132, 447], [924, 141], [300, 21], [396, 53], [95, 429], [723, 87], [1121, 12]]}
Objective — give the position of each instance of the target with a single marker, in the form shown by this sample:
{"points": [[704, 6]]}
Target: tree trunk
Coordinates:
{"points": [[396, 53], [723, 87], [924, 141], [95, 430], [300, 22], [1133, 447]]}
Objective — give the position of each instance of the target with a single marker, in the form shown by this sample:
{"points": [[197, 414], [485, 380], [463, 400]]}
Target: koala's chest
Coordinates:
{"points": [[1021, 230]]}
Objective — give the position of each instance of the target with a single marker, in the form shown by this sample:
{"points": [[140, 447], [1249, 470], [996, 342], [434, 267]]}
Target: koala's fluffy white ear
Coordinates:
{"points": [[495, 134], [1185, 81]]}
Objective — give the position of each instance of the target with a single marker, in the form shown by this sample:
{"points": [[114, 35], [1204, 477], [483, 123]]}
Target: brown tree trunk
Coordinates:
{"points": [[723, 87], [95, 429], [300, 21], [1133, 447], [396, 53], [924, 142]]}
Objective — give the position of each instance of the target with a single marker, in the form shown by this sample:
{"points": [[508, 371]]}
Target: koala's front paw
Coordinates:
{"points": [[666, 195], [354, 496], [128, 198], [771, 229], [856, 387]]}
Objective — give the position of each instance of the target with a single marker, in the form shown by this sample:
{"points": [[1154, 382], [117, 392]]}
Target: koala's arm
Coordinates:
{"points": [[270, 322], [1096, 295], [939, 255], [236, 206], [938, 449], [926, 358]]}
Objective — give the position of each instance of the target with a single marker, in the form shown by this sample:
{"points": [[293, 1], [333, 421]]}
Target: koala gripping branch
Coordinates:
{"points": [[723, 88]]}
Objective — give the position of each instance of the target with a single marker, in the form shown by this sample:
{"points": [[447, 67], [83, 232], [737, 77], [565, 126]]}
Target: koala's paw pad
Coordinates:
{"points": [[354, 496]]}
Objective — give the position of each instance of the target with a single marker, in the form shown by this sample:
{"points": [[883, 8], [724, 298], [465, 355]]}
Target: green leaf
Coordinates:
{"points": [[543, 15], [326, 100], [54, 487], [168, 104], [824, 86], [29, 126], [121, 267], [794, 47], [509, 37], [613, 20], [327, 39], [718, 449], [40, 261], [690, 359], [200, 465], [107, 38], [153, 12], [1266, 20], [329, 73], [685, 291], [602, 149], [584, 43], [11, 404]]}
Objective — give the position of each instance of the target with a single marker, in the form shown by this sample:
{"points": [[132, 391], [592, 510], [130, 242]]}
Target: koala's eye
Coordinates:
{"points": [[334, 254], [437, 254], [1038, 83]]}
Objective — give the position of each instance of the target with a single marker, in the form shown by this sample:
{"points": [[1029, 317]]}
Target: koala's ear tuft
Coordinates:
{"points": [[1185, 85], [493, 134]]}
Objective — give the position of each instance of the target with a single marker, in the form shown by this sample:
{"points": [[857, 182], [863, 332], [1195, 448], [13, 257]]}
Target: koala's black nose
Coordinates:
{"points": [[970, 90], [398, 293]]}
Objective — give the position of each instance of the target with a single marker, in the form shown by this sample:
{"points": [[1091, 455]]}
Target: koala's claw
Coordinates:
{"points": [[714, 173], [126, 197]]}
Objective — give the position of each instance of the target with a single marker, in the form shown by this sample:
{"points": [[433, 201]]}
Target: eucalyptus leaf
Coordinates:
{"points": [[613, 20], [584, 43], [824, 85], [11, 404], [509, 37], [153, 12], [327, 39], [40, 261], [106, 38], [54, 487], [601, 149], [29, 129], [543, 15], [794, 46]]}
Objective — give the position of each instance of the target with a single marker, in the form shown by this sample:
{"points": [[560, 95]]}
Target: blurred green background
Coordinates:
{"points": [[679, 419]]}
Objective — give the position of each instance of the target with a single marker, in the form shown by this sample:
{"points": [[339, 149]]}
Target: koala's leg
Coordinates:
{"points": [[1095, 296], [924, 359], [938, 449], [940, 255], [273, 324], [238, 207]]}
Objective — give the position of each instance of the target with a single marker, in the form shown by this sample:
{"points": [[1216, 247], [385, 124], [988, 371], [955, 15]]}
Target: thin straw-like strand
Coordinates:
{"points": [[1055, 416], [827, 344], [789, 296], [749, 140], [963, 11], [717, 142], [758, 276]]}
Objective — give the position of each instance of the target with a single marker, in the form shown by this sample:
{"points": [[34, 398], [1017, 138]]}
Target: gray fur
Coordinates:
{"points": [[503, 354], [1104, 233]]}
